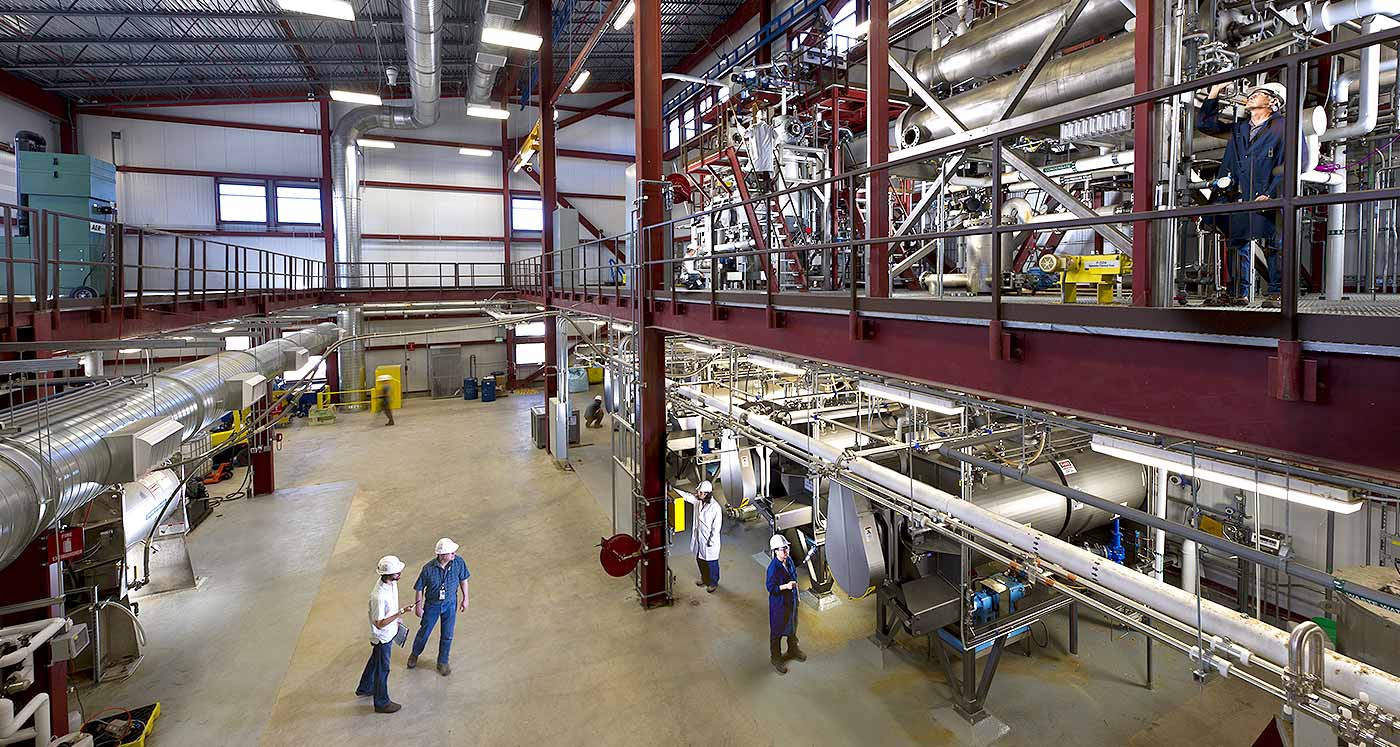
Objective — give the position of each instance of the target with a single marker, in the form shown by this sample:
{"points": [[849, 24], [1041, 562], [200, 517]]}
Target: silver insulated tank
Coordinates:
{"points": [[1122, 482]]}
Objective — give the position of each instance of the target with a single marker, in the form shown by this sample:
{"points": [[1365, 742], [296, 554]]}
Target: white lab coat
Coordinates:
{"points": [[709, 519]]}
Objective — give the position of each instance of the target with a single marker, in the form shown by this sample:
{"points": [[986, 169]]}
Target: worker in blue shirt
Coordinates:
{"points": [[782, 605], [436, 601], [1251, 169]]}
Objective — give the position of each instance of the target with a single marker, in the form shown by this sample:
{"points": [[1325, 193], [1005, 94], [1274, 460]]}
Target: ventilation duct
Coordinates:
{"points": [[422, 28], [69, 448]]}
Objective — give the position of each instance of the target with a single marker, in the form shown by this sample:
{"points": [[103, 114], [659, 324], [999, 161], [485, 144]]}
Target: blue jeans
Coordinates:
{"points": [[431, 614], [1242, 271], [709, 571], [375, 680]]}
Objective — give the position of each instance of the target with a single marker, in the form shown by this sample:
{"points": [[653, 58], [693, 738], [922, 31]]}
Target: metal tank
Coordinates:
{"points": [[1122, 482], [1008, 41], [147, 502]]}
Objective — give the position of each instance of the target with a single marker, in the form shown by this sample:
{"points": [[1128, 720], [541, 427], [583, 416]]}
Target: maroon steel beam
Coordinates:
{"points": [[585, 50], [1160, 383], [877, 125], [22, 91], [1144, 169], [549, 184], [711, 43], [327, 208], [653, 573], [213, 174], [764, 55], [198, 121], [759, 240], [507, 227], [599, 109]]}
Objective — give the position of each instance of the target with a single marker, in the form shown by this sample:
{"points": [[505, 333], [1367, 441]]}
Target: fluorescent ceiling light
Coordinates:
{"points": [[623, 328], [329, 8], [366, 142], [129, 351], [218, 330], [510, 38], [487, 112], [479, 152], [577, 84], [697, 347], [774, 365], [352, 97], [1291, 489], [913, 399], [625, 15]]}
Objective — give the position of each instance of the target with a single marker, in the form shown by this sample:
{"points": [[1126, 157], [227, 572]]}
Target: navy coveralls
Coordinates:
{"points": [[439, 586], [1255, 165], [782, 605]]}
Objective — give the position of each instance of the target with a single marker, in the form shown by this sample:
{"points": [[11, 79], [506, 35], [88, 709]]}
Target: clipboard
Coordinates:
{"points": [[401, 636]]}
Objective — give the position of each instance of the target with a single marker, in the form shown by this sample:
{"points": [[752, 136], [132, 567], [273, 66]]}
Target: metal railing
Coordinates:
{"points": [[570, 276]]}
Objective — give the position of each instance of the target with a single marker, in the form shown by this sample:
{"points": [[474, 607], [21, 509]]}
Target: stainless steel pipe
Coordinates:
{"points": [[59, 461]]}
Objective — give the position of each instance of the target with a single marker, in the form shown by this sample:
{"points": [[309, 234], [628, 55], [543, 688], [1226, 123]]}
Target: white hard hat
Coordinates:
{"points": [[705, 487], [389, 565], [1275, 90], [778, 542], [445, 546]]}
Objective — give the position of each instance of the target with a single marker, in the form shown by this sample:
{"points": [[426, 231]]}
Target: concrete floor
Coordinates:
{"points": [[269, 648]]}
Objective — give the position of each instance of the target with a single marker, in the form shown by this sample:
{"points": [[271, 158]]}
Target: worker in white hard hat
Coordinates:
{"points": [[782, 605], [1251, 169], [440, 593], [704, 536], [593, 416], [384, 614]]}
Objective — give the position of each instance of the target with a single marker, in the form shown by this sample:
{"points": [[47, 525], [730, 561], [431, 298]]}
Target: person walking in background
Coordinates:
{"points": [[386, 397], [384, 614], [437, 600]]}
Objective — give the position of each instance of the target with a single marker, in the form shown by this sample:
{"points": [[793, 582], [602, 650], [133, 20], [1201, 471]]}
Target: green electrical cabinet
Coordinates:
{"points": [[84, 190]]}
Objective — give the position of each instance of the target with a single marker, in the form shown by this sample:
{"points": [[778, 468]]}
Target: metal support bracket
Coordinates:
{"points": [[1042, 55], [1118, 239]]}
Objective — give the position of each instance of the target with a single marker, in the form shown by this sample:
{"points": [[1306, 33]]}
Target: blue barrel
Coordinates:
{"points": [[488, 389], [468, 388]]}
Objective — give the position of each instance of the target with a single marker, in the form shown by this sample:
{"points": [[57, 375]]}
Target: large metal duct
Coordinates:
{"points": [[1348, 676], [1066, 81], [422, 23], [60, 460], [1008, 41]]}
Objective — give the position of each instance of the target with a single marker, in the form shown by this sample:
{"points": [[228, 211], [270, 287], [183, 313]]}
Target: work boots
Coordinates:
{"points": [[391, 708], [775, 654], [412, 660], [794, 652]]}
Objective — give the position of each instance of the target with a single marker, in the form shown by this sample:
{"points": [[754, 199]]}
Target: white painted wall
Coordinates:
{"points": [[14, 117], [489, 357], [188, 202]]}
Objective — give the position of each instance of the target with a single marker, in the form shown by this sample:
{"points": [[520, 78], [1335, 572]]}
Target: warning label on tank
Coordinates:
{"points": [[1066, 467]]}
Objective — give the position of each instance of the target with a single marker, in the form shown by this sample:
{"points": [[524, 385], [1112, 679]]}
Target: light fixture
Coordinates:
{"points": [[539, 308], [624, 15], [352, 97], [509, 38], [623, 328], [577, 84], [1291, 489], [913, 399], [220, 330], [774, 365], [129, 351], [366, 142], [556, 115], [479, 152], [697, 347], [329, 8], [487, 112]]}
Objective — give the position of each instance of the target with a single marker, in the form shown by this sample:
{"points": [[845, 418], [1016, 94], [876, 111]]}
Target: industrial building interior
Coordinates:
{"points": [[1040, 371]]}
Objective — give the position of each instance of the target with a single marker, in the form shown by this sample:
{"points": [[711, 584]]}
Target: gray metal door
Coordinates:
{"points": [[444, 370]]}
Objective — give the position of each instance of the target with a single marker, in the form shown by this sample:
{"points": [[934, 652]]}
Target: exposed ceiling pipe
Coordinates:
{"points": [[423, 21], [1346, 675], [60, 460]]}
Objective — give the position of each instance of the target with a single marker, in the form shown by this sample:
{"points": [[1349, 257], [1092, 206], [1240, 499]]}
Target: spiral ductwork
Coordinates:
{"points": [[59, 461], [422, 23]]}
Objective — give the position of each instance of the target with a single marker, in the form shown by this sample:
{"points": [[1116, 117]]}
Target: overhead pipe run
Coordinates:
{"points": [[1347, 676], [422, 22], [61, 458]]}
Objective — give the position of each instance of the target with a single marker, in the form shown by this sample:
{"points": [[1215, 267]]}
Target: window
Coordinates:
{"points": [[242, 203], [689, 123], [269, 203], [674, 133], [298, 205], [238, 342], [527, 353], [526, 214], [529, 329]]}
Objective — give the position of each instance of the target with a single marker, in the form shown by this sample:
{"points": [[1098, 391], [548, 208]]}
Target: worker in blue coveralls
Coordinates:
{"points": [[1251, 169], [782, 605], [437, 601]]}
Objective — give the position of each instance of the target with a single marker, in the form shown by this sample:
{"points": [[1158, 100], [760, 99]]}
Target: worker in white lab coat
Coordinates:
{"points": [[704, 536]]}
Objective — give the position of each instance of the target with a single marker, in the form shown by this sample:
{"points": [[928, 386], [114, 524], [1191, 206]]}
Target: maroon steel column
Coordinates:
{"points": [[765, 17], [877, 109], [327, 210], [548, 187], [506, 227], [1144, 177], [29, 578], [646, 35]]}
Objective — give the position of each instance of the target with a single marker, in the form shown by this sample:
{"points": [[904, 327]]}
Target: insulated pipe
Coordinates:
{"points": [[1007, 41], [1190, 563], [58, 461], [1338, 12], [41, 733], [422, 22], [721, 85], [1064, 80], [1346, 675]]}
